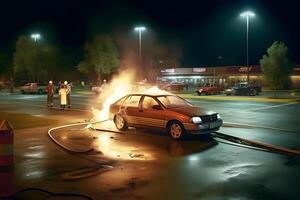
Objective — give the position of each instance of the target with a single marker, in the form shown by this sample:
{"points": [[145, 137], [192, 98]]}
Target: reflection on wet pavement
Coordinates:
{"points": [[145, 145]]}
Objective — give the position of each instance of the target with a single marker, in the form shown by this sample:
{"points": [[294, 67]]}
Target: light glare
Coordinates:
{"points": [[247, 14], [140, 28], [35, 36]]}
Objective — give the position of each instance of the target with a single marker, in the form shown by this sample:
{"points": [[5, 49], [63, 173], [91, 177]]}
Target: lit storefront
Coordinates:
{"points": [[224, 75]]}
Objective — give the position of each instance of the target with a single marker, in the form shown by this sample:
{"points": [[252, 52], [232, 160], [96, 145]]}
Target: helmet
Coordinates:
{"points": [[50, 82], [66, 82]]}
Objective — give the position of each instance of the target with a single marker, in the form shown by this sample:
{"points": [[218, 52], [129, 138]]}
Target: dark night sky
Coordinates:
{"points": [[203, 29]]}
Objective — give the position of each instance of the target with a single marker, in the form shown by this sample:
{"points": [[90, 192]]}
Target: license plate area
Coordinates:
{"points": [[214, 124]]}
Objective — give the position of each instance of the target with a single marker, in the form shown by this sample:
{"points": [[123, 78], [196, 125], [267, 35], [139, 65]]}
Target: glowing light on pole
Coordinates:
{"points": [[35, 36], [247, 15], [140, 29]]}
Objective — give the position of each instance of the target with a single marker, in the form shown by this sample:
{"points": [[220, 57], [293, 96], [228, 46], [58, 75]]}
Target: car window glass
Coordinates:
{"points": [[149, 102], [173, 101], [133, 101], [120, 102]]}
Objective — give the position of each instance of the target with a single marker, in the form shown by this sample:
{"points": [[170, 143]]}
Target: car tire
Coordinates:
{"points": [[22, 91], [252, 92], [199, 93], [120, 123], [40, 91], [176, 130]]}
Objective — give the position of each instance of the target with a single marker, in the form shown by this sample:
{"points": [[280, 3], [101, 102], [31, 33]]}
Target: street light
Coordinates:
{"points": [[140, 29], [248, 15], [35, 36]]}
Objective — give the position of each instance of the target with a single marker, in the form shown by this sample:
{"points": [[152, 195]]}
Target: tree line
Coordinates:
{"points": [[103, 55], [37, 62]]}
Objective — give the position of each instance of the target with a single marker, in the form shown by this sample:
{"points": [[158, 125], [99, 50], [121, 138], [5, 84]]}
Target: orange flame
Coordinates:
{"points": [[120, 86]]}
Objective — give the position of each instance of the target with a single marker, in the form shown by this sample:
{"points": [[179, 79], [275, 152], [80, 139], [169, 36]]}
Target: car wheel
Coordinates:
{"points": [[199, 93], [120, 123], [22, 91], [176, 130], [252, 92], [40, 91]]}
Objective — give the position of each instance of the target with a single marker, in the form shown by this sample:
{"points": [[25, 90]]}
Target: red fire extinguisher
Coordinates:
{"points": [[6, 160]]}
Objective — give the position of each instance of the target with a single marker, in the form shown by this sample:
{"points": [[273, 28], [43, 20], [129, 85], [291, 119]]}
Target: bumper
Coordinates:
{"points": [[203, 128]]}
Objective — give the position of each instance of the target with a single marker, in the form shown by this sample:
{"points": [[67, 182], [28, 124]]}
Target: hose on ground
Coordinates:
{"points": [[71, 125], [62, 194], [257, 144]]}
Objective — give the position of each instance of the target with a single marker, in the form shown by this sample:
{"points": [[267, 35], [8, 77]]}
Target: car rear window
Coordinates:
{"points": [[132, 101]]}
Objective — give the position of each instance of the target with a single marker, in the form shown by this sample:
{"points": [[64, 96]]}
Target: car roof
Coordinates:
{"points": [[152, 95]]}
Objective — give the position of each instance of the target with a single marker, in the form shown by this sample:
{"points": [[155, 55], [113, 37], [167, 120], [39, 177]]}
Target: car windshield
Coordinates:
{"points": [[173, 101]]}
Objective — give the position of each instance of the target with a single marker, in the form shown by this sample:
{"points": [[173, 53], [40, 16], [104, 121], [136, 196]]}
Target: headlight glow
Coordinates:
{"points": [[218, 116], [196, 120]]}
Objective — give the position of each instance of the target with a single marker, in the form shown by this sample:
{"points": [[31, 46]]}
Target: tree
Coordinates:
{"points": [[101, 57], [42, 62], [54, 61], [27, 57], [4, 65], [276, 66]]}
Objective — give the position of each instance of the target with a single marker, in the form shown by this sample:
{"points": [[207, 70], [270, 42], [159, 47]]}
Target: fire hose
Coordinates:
{"points": [[223, 136], [257, 144], [72, 125]]}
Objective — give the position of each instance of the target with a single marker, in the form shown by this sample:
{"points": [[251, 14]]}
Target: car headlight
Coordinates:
{"points": [[196, 120], [218, 116]]}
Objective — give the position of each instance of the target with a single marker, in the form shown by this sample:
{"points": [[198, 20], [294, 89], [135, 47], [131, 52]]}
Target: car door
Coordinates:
{"points": [[152, 113], [33, 88], [130, 109]]}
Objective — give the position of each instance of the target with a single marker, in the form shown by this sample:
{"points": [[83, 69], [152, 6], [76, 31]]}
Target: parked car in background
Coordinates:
{"points": [[33, 88], [174, 86], [167, 112], [243, 89], [96, 89], [209, 89]]}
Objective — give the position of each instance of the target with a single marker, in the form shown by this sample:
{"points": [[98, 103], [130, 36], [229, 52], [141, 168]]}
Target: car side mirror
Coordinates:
{"points": [[156, 107]]}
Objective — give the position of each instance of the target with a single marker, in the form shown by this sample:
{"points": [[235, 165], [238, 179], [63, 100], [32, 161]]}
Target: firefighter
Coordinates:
{"points": [[50, 92], [68, 86], [63, 96]]}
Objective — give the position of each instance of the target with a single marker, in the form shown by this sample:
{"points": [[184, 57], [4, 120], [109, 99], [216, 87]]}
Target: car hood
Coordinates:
{"points": [[192, 111]]}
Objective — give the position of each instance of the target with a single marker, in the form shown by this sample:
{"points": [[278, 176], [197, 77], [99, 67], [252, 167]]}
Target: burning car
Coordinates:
{"points": [[163, 111]]}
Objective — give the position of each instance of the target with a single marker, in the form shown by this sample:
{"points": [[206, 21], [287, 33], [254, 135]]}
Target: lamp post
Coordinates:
{"points": [[247, 14], [35, 36], [140, 29]]}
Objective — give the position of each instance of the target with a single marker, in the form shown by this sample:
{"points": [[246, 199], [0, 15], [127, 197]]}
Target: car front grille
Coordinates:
{"points": [[209, 118]]}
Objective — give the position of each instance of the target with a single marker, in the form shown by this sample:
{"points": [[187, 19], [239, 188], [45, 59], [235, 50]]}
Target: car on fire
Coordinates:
{"points": [[168, 112]]}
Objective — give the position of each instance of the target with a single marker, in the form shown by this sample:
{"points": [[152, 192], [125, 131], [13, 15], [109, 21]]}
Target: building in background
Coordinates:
{"points": [[219, 75]]}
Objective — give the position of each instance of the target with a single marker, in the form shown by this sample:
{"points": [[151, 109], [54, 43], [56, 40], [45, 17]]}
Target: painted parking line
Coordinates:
{"points": [[270, 107], [234, 111]]}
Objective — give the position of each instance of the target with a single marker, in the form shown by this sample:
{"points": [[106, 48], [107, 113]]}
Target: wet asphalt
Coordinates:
{"points": [[147, 164]]}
